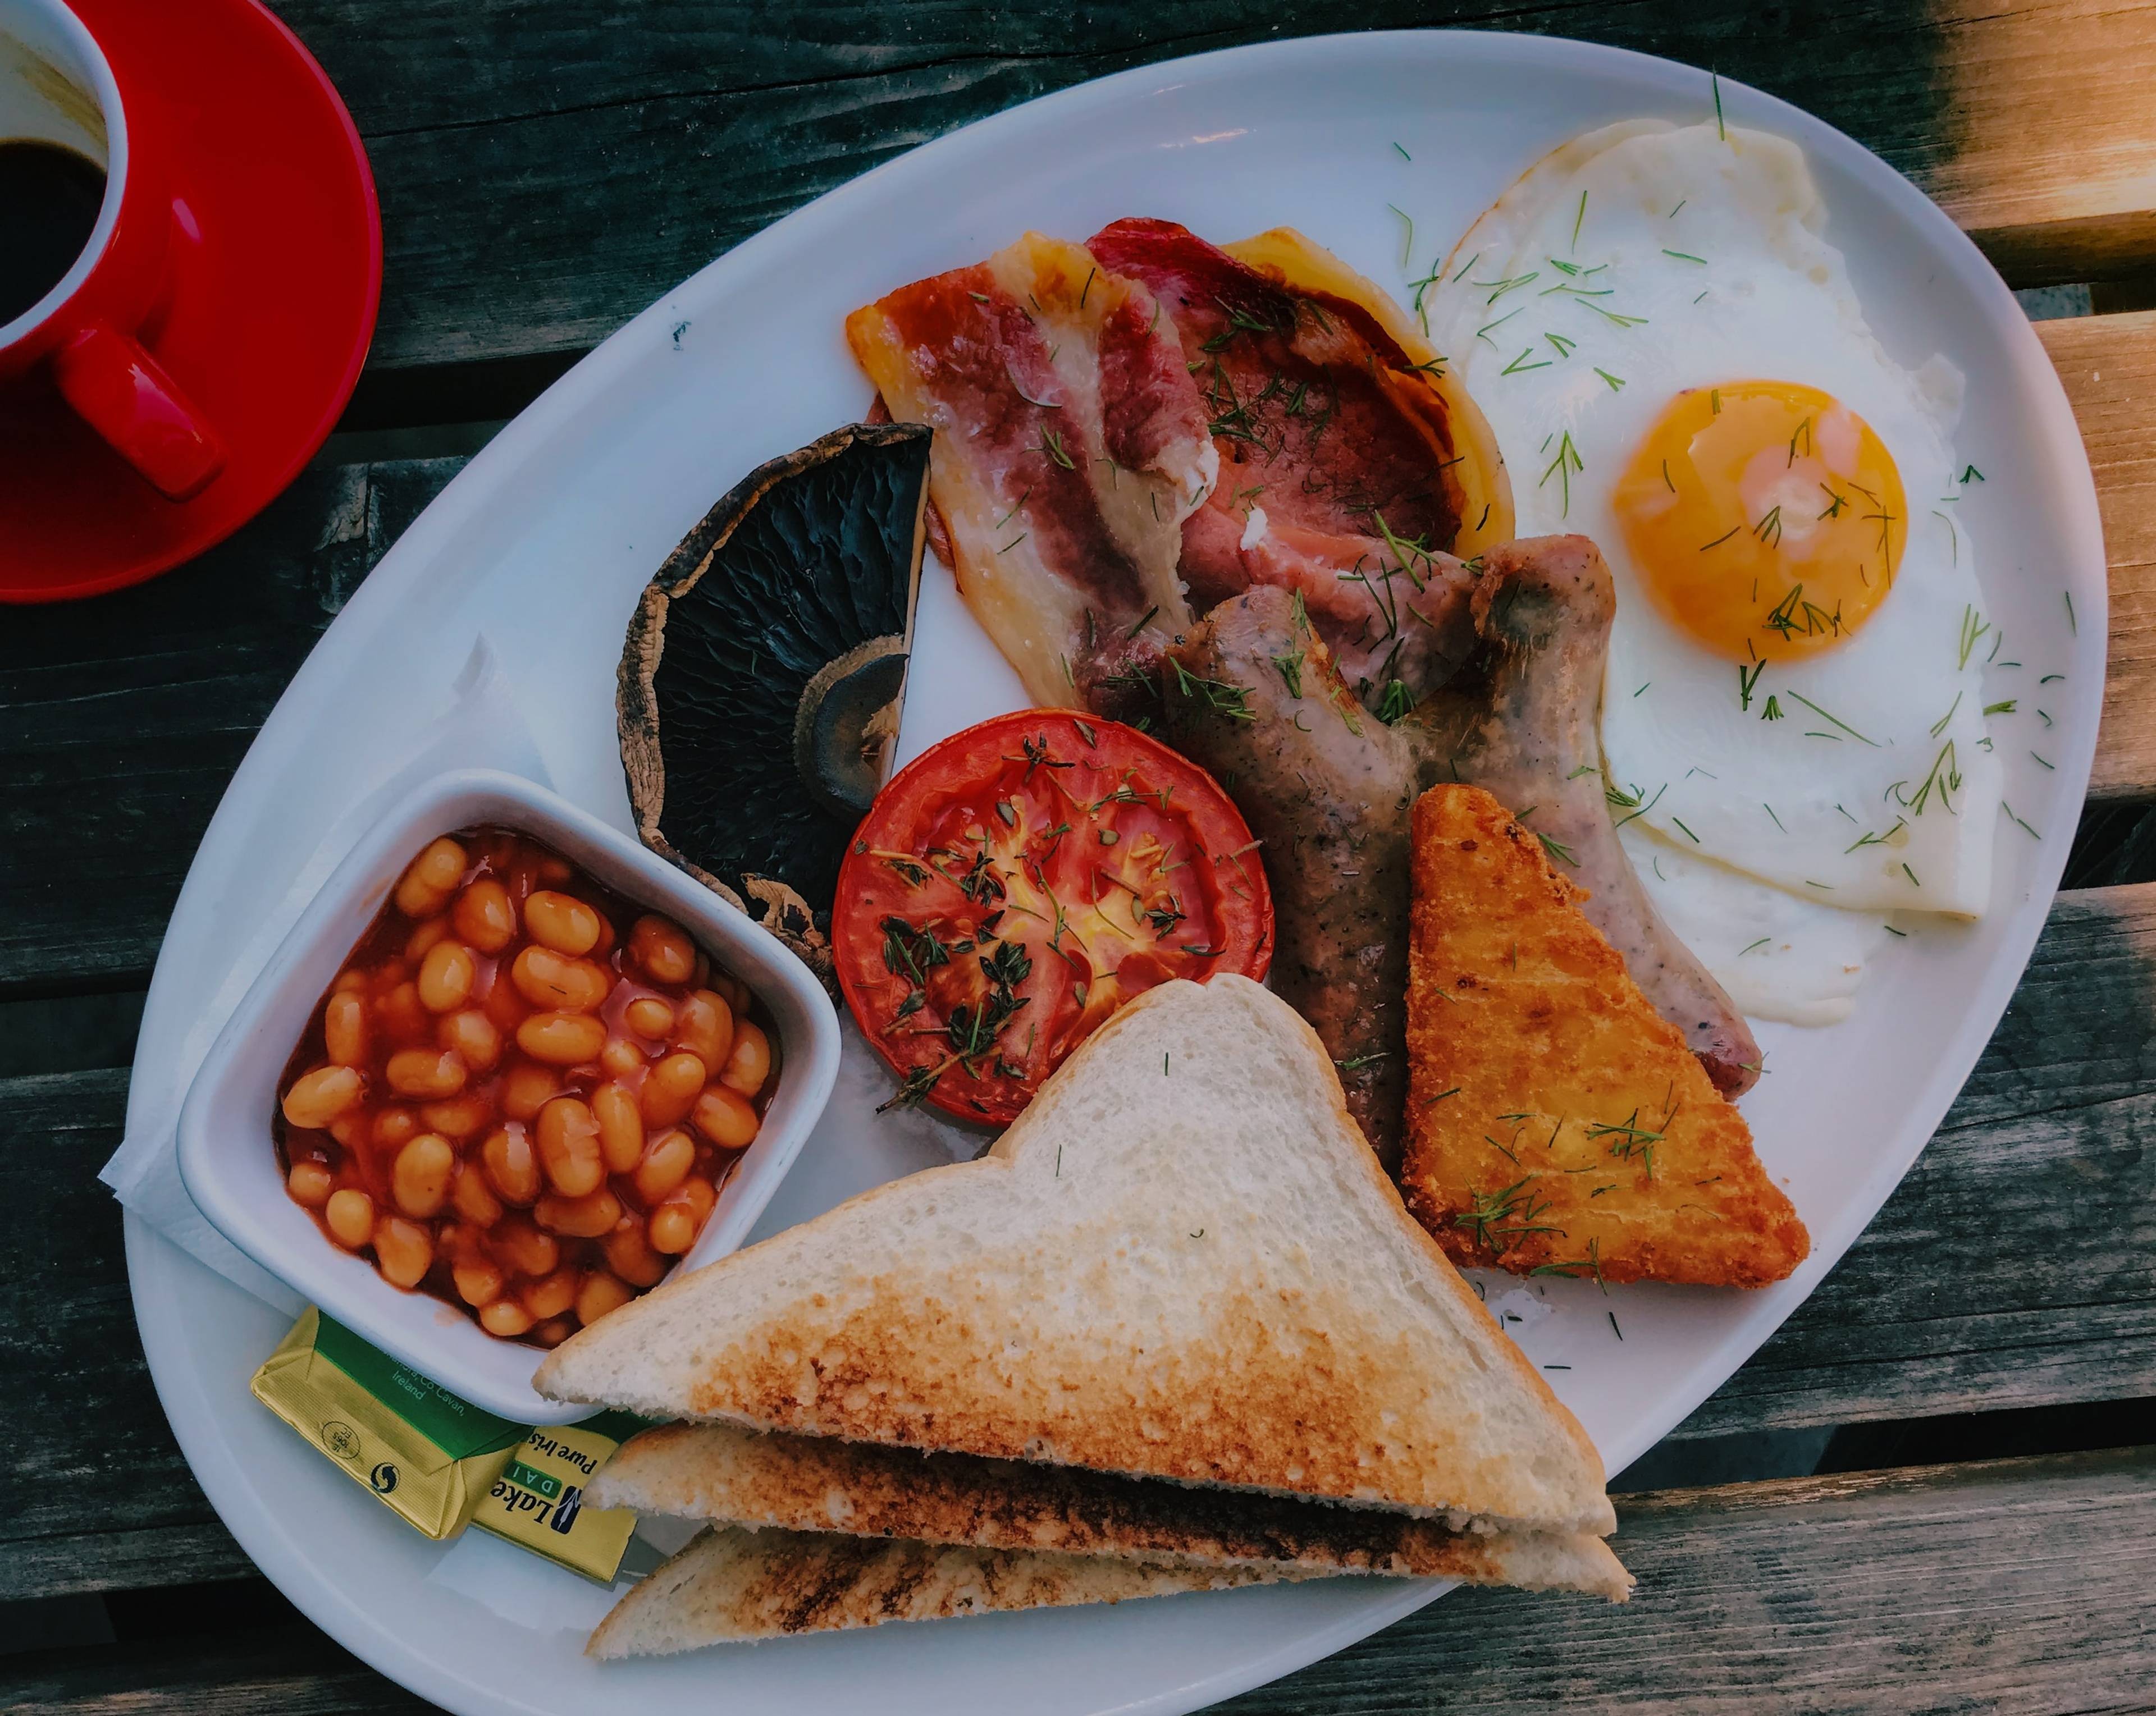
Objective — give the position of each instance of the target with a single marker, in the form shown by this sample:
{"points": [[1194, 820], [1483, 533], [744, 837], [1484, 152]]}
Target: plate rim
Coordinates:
{"points": [[330, 1607]]}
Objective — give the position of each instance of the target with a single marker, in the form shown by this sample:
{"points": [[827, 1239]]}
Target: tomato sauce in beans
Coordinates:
{"points": [[522, 1093]]}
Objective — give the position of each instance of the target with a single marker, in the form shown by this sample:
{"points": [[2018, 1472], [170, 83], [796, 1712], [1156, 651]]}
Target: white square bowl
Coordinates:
{"points": [[227, 1153]]}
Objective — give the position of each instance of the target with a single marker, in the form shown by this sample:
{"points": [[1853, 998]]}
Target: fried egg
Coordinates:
{"points": [[1676, 366]]}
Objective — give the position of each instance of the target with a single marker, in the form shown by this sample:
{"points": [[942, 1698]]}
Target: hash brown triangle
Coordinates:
{"points": [[1556, 1123]]}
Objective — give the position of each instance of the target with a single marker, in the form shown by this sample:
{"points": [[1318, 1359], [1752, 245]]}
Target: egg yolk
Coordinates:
{"points": [[1765, 518]]}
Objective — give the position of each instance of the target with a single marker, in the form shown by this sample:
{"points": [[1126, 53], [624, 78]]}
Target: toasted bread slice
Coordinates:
{"points": [[732, 1584], [759, 1478], [1556, 1123], [1183, 1262]]}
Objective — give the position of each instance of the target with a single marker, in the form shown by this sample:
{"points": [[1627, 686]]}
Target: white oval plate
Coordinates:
{"points": [[546, 538]]}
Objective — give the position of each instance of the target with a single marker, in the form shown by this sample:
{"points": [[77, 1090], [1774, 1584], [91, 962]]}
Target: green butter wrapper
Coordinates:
{"points": [[538, 1500], [423, 1453]]}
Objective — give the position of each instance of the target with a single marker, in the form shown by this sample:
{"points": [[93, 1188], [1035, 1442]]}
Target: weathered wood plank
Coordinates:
{"points": [[122, 719], [2020, 1586], [547, 172], [2109, 365], [1771, 1599], [1973, 1291], [100, 1496], [2013, 1268]]}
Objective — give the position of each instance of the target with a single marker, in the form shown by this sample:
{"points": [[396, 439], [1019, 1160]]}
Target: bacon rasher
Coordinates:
{"points": [[1352, 465], [1071, 446]]}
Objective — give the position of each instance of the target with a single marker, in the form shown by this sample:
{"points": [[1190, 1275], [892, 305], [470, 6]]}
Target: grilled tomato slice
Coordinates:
{"points": [[1014, 885]]}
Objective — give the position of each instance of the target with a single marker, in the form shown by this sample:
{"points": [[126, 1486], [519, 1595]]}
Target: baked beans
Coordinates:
{"points": [[522, 1094]]}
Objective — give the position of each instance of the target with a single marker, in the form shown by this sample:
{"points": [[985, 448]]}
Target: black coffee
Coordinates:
{"points": [[49, 196]]}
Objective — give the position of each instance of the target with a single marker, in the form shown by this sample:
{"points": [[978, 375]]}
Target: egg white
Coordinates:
{"points": [[1663, 257], [1779, 956]]}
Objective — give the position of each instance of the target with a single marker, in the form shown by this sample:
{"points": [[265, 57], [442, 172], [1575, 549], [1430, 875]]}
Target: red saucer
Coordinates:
{"points": [[277, 269]]}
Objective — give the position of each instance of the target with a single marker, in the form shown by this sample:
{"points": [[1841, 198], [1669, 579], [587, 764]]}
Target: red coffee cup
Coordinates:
{"points": [[57, 88]]}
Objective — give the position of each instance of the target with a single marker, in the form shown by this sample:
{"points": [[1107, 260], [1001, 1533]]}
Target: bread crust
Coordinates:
{"points": [[740, 1477], [1557, 1124], [734, 1585]]}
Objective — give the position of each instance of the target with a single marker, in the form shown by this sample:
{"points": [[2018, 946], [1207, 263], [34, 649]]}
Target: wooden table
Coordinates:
{"points": [[547, 167]]}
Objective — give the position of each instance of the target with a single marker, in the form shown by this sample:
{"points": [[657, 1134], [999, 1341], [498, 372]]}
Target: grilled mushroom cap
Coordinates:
{"points": [[761, 680]]}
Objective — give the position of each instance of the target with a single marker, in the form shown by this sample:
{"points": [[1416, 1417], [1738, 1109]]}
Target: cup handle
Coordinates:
{"points": [[124, 393]]}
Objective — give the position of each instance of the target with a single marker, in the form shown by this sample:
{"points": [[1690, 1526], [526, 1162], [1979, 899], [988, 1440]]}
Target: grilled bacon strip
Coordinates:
{"points": [[1071, 447]]}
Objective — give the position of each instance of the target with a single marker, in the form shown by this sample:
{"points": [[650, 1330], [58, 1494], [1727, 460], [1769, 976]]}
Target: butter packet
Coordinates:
{"points": [[422, 1452], [537, 1502]]}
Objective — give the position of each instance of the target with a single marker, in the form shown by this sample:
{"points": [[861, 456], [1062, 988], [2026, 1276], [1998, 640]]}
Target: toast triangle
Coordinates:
{"points": [[1183, 1262], [733, 1585], [761, 1479]]}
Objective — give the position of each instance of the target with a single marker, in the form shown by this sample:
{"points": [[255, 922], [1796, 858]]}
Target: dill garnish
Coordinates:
{"points": [[1497, 1221], [1870, 839], [1836, 719], [1686, 256], [1622, 321], [1483, 333], [1500, 287], [1222, 698], [1748, 681], [1590, 1265], [1567, 461], [1632, 804]]}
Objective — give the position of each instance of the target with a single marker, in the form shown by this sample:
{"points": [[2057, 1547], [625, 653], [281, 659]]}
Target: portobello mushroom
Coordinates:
{"points": [[764, 671]]}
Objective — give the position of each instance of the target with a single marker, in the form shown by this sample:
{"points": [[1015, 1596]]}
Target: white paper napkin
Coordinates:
{"points": [[481, 729]]}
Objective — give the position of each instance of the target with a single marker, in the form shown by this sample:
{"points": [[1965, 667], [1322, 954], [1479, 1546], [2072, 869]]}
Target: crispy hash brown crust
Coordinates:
{"points": [[1556, 1123]]}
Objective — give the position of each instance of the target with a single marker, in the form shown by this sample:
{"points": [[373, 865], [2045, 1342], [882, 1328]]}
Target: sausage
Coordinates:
{"points": [[1327, 789]]}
